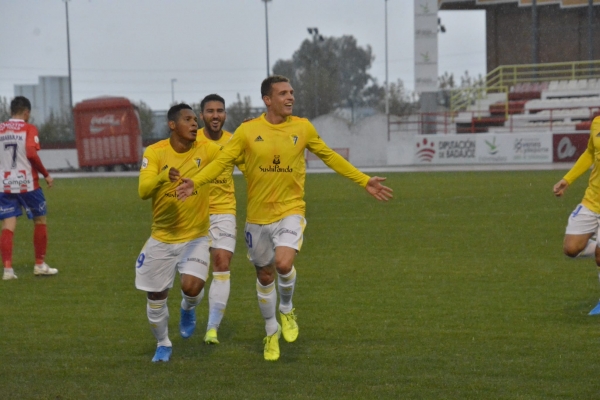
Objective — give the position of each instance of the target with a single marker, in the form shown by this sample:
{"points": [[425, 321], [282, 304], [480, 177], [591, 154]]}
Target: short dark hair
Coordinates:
{"points": [[211, 97], [173, 112], [19, 104], [267, 84]]}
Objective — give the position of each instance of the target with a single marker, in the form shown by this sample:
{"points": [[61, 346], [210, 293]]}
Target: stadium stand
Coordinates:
{"points": [[562, 92], [556, 97]]}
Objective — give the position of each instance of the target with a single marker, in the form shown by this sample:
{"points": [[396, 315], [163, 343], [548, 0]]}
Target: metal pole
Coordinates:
{"points": [[315, 77], [267, 35], [387, 83], [69, 56], [173, 90], [387, 102]]}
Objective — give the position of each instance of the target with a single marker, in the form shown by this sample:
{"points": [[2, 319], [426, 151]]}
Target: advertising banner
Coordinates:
{"points": [[483, 149], [569, 146]]}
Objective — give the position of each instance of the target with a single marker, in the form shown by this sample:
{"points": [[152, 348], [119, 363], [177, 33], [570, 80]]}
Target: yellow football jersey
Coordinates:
{"points": [[174, 221], [222, 190], [275, 165], [591, 198]]}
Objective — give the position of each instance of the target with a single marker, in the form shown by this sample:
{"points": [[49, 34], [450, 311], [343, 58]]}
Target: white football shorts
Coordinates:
{"points": [[262, 240], [582, 221], [222, 231], [157, 263]]}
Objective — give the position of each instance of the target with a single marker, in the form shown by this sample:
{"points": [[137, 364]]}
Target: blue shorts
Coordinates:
{"points": [[34, 204]]}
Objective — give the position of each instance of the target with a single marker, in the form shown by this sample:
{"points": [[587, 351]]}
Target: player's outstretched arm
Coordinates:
{"points": [[560, 187], [377, 190], [186, 189]]}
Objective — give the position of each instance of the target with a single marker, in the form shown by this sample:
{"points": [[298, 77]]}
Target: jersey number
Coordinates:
{"points": [[12, 147], [574, 213], [249, 240], [140, 260]]}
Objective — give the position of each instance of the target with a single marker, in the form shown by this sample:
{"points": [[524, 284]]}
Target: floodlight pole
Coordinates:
{"points": [[314, 32], [387, 83], [267, 36], [69, 56], [173, 90]]}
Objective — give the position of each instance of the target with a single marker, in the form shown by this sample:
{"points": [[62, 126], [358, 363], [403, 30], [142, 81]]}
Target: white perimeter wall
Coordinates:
{"points": [[369, 146], [367, 141], [59, 159]]}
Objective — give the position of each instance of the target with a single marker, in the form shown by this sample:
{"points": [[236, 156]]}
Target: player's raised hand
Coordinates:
{"points": [[560, 187], [185, 189], [377, 190], [174, 174], [49, 181]]}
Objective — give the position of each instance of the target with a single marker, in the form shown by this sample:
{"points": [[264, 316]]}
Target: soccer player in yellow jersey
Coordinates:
{"points": [[584, 221], [223, 227], [273, 146], [179, 239]]}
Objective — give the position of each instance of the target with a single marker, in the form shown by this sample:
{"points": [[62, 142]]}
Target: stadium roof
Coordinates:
{"points": [[448, 4]]}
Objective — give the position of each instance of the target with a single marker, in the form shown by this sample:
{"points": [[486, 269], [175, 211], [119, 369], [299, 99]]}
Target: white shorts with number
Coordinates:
{"points": [[261, 240], [222, 231], [157, 263], [582, 221]]}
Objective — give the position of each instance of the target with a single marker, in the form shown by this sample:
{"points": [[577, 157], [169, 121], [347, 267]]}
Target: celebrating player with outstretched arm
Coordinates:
{"points": [[584, 221], [273, 146], [179, 241]]}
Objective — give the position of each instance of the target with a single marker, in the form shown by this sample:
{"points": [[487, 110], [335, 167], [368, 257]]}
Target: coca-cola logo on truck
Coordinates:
{"points": [[100, 123]]}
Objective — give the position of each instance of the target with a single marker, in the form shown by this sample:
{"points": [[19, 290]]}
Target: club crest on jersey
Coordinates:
{"points": [[295, 139], [198, 161], [276, 160], [259, 139]]}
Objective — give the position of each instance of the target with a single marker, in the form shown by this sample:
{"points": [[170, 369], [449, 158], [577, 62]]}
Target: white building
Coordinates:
{"points": [[50, 95]]}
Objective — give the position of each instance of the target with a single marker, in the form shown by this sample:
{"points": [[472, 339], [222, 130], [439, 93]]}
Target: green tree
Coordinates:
{"points": [[237, 112], [146, 119], [465, 93], [57, 129], [327, 73], [400, 101], [4, 109], [198, 111]]}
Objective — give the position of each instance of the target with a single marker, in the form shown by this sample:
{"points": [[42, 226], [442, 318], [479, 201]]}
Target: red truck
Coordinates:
{"points": [[108, 134]]}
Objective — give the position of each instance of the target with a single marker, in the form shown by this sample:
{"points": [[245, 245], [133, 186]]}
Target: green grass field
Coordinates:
{"points": [[457, 289]]}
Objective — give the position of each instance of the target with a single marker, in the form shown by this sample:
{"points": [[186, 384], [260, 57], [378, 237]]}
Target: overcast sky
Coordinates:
{"points": [[133, 48]]}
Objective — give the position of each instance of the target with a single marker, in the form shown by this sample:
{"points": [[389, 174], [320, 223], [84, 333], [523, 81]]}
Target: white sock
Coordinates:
{"points": [[589, 251], [158, 316], [189, 303], [286, 284], [267, 300], [218, 294]]}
